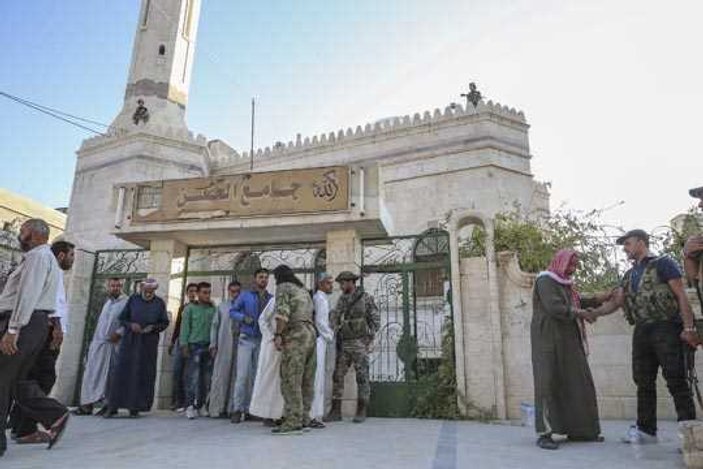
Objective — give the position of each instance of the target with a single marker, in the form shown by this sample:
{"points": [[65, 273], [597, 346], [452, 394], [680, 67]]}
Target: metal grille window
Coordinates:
{"points": [[149, 197]]}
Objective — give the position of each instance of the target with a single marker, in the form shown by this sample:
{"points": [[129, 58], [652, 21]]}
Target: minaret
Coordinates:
{"points": [[162, 61]]}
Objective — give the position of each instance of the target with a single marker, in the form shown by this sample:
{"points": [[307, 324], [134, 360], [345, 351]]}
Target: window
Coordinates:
{"points": [[145, 14], [188, 19], [162, 49], [431, 249]]}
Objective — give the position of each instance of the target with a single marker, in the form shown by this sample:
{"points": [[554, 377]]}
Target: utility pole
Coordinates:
{"points": [[251, 152]]}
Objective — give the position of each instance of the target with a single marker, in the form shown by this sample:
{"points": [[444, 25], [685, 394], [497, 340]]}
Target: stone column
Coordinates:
{"points": [[78, 283], [166, 257], [343, 253]]}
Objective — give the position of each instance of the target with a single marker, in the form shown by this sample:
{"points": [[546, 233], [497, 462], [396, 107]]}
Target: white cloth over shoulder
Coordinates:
{"points": [[267, 400]]}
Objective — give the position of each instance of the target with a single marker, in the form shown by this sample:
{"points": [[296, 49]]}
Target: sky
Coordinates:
{"points": [[612, 90]]}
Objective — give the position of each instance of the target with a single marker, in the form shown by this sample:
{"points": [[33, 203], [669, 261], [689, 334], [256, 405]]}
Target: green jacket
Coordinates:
{"points": [[196, 323]]}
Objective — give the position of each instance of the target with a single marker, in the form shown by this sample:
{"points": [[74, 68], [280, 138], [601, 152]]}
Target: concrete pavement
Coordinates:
{"points": [[167, 440]]}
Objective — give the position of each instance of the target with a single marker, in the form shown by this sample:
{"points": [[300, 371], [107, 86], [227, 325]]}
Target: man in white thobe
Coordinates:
{"points": [[102, 350], [325, 337], [224, 334]]}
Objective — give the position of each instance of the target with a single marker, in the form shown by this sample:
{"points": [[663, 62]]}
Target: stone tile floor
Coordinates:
{"points": [[170, 441]]}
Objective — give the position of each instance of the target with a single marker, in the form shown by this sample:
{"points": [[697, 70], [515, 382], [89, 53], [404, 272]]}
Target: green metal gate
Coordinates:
{"points": [[409, 278]]}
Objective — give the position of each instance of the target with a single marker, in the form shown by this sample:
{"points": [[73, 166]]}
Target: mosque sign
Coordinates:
{"points": [[296, 191]]}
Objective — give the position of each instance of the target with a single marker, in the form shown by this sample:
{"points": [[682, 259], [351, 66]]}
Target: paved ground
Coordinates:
{"points": [[171, 441]]}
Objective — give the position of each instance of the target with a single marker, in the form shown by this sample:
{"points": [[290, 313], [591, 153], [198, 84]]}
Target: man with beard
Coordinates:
{"points": [[143, 318], [653, 297], [103, 350], [44, 369], [25, 304], [357, 320], [223, 336]]}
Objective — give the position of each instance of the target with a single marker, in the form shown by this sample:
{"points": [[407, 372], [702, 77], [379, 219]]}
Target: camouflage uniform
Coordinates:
{"points": [[295, 307], [654, 311], [357, 320]]}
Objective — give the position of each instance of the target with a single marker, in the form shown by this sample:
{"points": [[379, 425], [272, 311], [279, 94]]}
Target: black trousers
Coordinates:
{"points": [[657, 345], [14, 382], [44, 373]]}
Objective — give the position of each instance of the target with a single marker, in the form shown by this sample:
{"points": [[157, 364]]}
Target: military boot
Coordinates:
{"points": [[335, 414], [360, 411]]}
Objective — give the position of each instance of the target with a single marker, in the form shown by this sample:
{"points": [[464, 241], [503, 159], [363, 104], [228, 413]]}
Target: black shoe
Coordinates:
{"points": [[316, 424], [335, 414], [84, 410], [546, 442], [360, 416], [252, 418], [109, 413], [269, 423], [236, 417]]}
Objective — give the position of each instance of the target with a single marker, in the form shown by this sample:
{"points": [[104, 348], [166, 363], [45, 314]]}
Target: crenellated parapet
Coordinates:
{"points": [[382, 128], [114, 134]]}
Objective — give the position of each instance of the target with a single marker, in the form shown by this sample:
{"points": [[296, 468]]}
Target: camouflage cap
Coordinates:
{"points": [[697, 192], [346, 275]]}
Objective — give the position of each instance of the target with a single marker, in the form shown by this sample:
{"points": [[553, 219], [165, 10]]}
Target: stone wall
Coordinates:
{"points": [[609, 339]]}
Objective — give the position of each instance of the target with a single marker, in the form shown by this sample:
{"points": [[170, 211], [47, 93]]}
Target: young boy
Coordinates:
{"points": [[195, 345]]}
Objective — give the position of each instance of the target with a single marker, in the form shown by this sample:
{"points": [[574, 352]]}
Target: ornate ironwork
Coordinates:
{"points": [[219, 265], [121, 263], [409, 279]]}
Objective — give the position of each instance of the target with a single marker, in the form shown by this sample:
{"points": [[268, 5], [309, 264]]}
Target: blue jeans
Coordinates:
{"points": [[178, 399], [198, 375], [247, 359]]}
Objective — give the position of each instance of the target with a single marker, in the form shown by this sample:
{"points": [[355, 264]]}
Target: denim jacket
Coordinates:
{"points": [[247, 305]]}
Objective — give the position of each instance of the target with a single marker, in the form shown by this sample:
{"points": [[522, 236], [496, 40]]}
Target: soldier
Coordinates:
{"points": [[693, 250], [357, 320], [655, 302], [295, 338]]}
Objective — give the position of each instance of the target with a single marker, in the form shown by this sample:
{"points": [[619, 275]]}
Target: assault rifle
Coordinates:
{"points": [[689, 354]]}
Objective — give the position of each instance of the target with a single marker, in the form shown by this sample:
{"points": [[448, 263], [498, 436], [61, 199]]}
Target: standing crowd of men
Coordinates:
{"points": [[253, 357], [257, 356]]}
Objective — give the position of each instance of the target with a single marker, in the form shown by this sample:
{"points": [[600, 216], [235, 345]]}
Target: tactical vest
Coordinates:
{"points": [[354, 324], [653, 301]]}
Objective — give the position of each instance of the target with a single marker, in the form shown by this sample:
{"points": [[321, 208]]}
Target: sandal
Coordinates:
{"points": [[57, 430], [35, 438]]}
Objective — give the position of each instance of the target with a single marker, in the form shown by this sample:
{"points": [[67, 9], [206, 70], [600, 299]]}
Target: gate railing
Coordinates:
{"points": [[409, 277]]}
